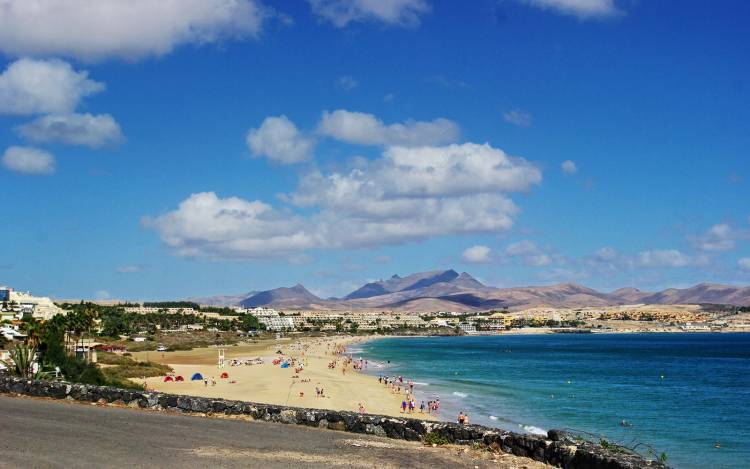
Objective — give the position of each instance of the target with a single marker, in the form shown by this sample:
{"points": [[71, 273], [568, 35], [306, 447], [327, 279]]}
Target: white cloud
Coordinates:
{"points": [[347, 83], [518, 117], [569, 167], [477, 254], [29, 160], [663, 258], [73, 129], [130, 29], [414, 174], [407, 195], [31, 86], [128, 269], [719, 237], [279, 140], [531, 254], [744, 263], [205, 224], [391, 12], [583, 9], [366, 129]]}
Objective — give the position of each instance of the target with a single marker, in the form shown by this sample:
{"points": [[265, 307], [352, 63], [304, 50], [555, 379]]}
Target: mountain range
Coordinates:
{"points": [[447, 290]]}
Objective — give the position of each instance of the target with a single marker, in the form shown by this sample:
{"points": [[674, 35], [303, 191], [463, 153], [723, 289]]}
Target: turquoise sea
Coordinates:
{"points": [[680, 393]]}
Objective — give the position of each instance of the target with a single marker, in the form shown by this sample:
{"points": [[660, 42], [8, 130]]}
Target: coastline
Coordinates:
{"points": [[344, 388]]}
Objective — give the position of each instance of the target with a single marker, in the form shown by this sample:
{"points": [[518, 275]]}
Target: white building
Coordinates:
{"points": [[11, 333], [277, 323], [39, 307], [467, 327]]}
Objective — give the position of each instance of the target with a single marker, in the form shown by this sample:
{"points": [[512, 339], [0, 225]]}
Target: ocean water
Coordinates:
{"points": [[680, 393]]}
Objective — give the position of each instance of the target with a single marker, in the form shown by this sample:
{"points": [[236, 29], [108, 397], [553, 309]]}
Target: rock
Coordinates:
{"points": [[340, 426], [557, 448], [288, 416]]}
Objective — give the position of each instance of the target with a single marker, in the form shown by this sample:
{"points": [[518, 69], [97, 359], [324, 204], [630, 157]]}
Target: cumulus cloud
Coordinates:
{"points": [[31, 86], [73, 129], [130, 29], [518, 117], [477, 254], [744, 263], [583, 9], [418, 173], [408, 194], [569, 167], [29, 160], [205, 224], [278, 139], [390, 12], [366, 129]]}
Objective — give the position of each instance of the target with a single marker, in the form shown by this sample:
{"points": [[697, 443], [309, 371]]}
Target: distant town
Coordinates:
{"points": [[150, 322]]}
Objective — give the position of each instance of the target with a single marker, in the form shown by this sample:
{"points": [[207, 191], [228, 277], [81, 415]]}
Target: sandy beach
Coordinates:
{"points": [[272, 384]]}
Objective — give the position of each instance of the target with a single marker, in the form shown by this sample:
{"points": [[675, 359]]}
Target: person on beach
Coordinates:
{"points": [[361, 409], [461, 418], [403, 407], [421, 408], [205, 382]]}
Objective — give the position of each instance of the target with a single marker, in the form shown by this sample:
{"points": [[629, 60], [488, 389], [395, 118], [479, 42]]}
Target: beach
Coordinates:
{"points": [[343, 387]]}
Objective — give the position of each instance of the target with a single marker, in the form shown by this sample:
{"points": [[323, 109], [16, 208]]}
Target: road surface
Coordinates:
{"points": [[46, 433]]}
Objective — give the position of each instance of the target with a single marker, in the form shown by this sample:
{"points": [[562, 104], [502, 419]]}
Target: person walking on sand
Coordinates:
{"points": [[421, 408], [205, 382], [403, 407]]}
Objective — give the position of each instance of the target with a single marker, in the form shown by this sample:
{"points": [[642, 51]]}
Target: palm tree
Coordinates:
{"points": [[34, 333]]}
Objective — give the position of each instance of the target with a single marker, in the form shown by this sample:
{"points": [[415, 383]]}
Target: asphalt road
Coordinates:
{"points": [[45, 433]]}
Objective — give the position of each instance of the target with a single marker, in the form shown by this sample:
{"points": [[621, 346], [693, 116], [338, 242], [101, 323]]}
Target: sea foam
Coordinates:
{"points": [[534, 430]]}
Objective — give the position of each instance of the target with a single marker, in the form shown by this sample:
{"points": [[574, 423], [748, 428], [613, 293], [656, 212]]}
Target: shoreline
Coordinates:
{"points": [[324, 366]]}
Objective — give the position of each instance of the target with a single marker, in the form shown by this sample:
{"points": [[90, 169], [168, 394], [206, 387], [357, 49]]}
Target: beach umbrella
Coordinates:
{"points": [[225, 375], [197, 377], [179, 378], [168, 378]]}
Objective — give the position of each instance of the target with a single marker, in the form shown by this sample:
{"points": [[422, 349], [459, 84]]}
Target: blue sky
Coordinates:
{"points": [[221, 146]]}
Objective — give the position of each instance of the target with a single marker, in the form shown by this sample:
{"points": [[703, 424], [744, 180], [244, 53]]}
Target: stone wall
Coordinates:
{"points": [[558, 448]]}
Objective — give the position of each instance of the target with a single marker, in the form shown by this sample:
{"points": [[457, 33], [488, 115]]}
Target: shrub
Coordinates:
{"points": [[434, 438]]}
